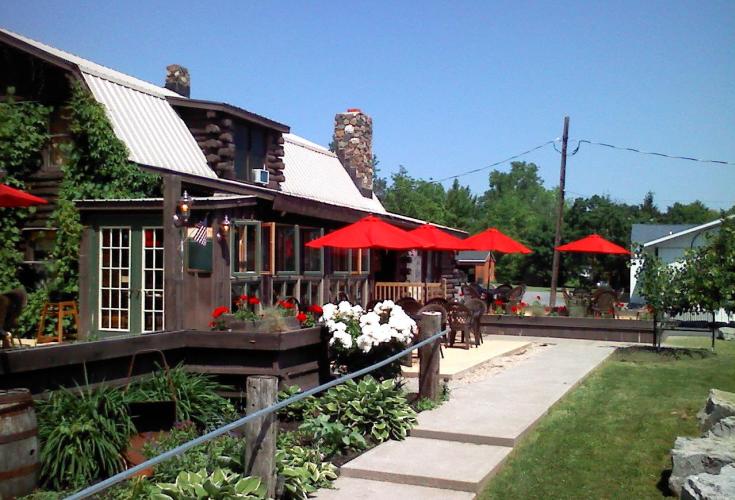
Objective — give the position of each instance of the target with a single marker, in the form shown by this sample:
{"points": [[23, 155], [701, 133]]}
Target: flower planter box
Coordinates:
{"points": [[569, 327], [258, 326], [296, 357]]}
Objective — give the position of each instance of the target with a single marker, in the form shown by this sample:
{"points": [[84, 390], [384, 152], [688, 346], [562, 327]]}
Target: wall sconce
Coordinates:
{"points": [[224, 229], [183, 209]]}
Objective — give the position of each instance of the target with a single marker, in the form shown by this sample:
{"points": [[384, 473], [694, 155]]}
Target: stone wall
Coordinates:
{"points": [[353, 142]]}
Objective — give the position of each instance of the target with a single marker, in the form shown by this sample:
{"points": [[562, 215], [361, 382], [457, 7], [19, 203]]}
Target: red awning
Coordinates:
{"points": [[593, 243], [495, 241], [11, 197], [436, 239], [369, 232]]}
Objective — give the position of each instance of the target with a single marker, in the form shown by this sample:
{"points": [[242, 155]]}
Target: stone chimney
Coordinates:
{"points": [[177, 79], [353, 144]]}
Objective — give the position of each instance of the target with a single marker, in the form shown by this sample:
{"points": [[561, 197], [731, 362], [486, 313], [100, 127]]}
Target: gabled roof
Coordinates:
{"points": [[643, 233], [694, 229], [141, 116], [314, 172]]}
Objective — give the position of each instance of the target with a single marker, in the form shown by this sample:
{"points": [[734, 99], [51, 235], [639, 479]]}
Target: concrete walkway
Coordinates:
{"points": [[457, 448]]}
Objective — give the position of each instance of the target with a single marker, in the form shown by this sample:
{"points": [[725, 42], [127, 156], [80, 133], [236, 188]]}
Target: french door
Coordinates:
{"points": [[131, 270]]}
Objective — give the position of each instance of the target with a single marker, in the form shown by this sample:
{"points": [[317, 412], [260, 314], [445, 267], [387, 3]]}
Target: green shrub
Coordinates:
{"points": [[303, 471], [299, 410], [221, 484], [82, 436], [332, 437], [196, 397], [378, 410], [225, 451]]}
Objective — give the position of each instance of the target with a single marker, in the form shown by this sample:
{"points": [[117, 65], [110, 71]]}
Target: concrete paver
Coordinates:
{"points": [[458, 361], [453, 465], [350, 488], [500, 409]]}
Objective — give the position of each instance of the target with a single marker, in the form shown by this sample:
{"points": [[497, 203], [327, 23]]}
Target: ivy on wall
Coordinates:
{"points": [[23, 135], [96, 167]]}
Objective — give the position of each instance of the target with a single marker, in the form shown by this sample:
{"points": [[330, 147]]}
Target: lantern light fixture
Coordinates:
{"points": [[183, 208], [224, 229]]}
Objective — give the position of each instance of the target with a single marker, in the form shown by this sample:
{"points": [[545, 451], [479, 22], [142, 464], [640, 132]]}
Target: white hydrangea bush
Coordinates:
{"points": [[360, 337]]}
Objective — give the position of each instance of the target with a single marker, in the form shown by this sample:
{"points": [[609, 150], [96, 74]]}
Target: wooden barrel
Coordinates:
{"points": [[19, 451]]}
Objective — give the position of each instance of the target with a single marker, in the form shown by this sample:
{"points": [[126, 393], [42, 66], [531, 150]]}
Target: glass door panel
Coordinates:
{"points": [[152, 306], [114, 279]]}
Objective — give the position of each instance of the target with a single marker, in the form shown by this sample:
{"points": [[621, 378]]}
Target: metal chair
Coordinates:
{"points": [[460, 319], [409, 304], [604, 303], [439, 300], [478, 309]]}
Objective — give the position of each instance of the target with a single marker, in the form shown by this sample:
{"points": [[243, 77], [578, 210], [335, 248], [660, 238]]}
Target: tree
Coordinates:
{"points": [[461, 207], [648, 213], [415, 197], [657, 285], [517, 203], [690, 213]]}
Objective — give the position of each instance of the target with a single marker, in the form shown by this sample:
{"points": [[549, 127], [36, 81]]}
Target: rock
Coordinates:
{"points": [[724, 428], [711, 486], [726, 333], [720, 404], [692, 456]]}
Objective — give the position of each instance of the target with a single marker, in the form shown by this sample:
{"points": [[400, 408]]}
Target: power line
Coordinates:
{"points": [[496, 163], [635, 150]]}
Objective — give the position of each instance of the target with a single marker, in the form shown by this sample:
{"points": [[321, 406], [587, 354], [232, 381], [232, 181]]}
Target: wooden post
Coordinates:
{"points": [[560, 212], [173, 255], [261, 433], [86, 267], [429, 324]]}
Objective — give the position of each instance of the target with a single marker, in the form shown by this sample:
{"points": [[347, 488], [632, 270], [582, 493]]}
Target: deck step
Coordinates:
{"points": [[363, 489]]}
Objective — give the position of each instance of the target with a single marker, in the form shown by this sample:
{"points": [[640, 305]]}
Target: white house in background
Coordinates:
{"points": [[669, 243]]}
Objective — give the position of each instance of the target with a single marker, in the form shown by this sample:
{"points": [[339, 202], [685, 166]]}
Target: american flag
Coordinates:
{"points": [[200, 235]]}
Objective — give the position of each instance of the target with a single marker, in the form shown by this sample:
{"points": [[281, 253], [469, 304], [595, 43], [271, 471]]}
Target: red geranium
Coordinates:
{"points": [[498, 302], [220, 311], [523, 304], [301, 317], [287, 304], [316, 309], [513, 309], [254, 301], [242, 298]]}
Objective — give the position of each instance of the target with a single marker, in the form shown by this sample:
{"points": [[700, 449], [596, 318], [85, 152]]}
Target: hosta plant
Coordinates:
{"points": [[378, 410], [303, 471], [220, 485], [332, 437], [300, 410]]}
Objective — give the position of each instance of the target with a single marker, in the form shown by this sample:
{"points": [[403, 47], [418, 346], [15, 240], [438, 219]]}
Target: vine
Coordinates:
{"points": [[23, 135]]}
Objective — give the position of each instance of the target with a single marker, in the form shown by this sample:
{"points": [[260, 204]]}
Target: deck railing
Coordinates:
{"points": [[421, 291]]}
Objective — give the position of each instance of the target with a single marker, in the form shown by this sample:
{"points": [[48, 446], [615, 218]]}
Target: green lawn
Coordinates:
{"points": [[611, 437]]}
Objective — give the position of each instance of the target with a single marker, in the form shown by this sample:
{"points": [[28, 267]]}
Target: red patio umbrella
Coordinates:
{"points": [[494, 240], [369, 232], [436, 239], [593, 243], [11, 197]]}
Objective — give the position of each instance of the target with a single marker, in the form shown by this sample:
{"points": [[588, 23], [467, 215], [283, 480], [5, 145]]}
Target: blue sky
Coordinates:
{"points": [[451, 86]]}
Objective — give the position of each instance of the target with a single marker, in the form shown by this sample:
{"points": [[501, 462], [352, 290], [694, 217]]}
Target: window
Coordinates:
{"points": [[285, 251], [250, 148], [340, 260], [246, 236], [267, 254], [153, 308], [114, 276], [311, 258]]}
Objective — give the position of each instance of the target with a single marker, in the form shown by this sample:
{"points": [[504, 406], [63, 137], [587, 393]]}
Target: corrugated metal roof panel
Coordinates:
{"points": [[154, 134], [314, 172], [96, 69]]}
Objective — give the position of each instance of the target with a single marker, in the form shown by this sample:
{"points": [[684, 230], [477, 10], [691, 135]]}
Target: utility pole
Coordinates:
{"points": [[560, 213]]}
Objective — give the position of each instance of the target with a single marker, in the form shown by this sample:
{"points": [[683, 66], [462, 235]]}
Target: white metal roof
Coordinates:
{"points": [[153, 132], [95, 69], [694, 229], [314, 172]]}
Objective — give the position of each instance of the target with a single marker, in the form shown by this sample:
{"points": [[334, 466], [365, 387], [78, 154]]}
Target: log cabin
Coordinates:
{"points": [[140, 271]]}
